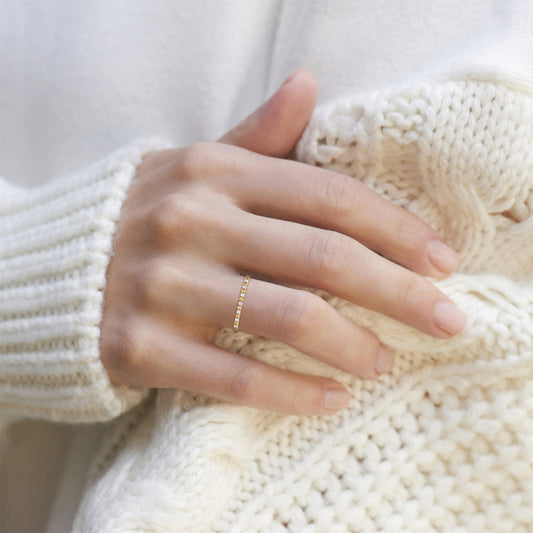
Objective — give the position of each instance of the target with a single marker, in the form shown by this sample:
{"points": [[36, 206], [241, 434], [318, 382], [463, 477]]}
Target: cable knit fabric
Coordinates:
{"points": [[444, 442], [55, 244]]}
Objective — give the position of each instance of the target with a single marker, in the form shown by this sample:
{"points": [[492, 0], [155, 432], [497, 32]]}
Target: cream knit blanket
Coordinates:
{"points": [[443, 443]]}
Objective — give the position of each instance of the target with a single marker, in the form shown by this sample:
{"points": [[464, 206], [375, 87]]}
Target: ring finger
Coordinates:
{"points": [[295, 317]]}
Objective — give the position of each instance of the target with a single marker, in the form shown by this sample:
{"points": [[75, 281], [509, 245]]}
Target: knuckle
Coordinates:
{"points": [[306, 397], [301, 395], [123, 350], [404, 225], [172, 213], [149, 276], [194, 161], [366, 362], [407, 232], [327, 255], [409, 292], [162, 218], [340, 196], [300, 316], [243, 382]]}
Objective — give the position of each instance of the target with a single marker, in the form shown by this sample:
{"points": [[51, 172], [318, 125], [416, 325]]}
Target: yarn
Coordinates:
{"points": [[55, 244], [443, 442]]}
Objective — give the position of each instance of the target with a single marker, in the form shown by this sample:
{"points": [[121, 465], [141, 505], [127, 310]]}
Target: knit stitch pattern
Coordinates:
{"points": [[55, 244], [443, 443]]}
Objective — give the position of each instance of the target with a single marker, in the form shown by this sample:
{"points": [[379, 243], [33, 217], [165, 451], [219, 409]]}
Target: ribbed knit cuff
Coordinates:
{"points": [[55, 245]]}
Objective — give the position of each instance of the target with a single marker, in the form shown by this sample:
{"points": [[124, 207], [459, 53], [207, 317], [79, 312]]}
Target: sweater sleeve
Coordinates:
{"points": [[55, 245]]}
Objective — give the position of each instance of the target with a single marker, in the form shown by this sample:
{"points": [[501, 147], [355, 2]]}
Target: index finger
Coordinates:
{"points": [[315, 196]]}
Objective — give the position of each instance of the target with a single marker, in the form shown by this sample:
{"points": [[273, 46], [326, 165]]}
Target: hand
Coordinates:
{"points": [[197, 216]]}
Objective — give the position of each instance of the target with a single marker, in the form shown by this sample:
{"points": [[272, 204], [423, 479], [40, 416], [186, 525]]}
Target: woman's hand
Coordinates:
{"points": [[198, 216]]}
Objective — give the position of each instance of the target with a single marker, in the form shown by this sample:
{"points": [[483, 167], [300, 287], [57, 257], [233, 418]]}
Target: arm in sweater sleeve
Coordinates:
{"points": [[55, 244]]}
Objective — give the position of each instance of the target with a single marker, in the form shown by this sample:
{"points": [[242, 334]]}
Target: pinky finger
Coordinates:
{"points": [[167, 360], [246, 381]]}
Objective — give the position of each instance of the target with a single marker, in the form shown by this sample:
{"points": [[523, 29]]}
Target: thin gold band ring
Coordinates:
{"points": [[237, 318]]}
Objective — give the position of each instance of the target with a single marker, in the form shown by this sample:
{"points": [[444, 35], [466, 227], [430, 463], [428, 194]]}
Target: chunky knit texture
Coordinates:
{"points": [[444, 442], [55, 244]]}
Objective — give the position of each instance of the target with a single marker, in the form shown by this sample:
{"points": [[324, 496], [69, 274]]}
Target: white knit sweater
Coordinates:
{"points": [[55, 243], [441, 444]]}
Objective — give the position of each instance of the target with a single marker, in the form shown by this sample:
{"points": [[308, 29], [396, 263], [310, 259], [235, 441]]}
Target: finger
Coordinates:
{"points": [[153, 355], [322, 259], [295, 317], [310, 195], [331, 261], [274, 128], [306, 322]]}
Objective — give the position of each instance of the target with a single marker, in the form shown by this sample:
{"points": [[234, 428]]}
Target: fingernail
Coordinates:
{"points": [[384, 361], [290, 77], [449, 318], [442, 256], [336, 399]]}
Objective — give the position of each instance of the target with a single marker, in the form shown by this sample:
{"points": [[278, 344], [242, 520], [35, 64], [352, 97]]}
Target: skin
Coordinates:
{"points": [[196, 217]]}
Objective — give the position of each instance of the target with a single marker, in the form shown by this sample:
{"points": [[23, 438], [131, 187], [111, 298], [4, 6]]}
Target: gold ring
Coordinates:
{"points": [[239, 304]]}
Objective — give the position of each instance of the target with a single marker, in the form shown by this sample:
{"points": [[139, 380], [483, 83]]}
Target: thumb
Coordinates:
{"points": [[274, 128]]}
